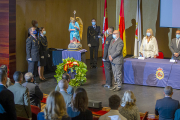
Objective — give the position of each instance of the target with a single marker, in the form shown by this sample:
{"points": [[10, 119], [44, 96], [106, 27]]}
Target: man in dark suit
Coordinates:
{"points": [[175, 46], [166, 107], [32, 51], [21, 96], [93, 35], [7, 106], [116, 59], [34, 92], [107, 64]]}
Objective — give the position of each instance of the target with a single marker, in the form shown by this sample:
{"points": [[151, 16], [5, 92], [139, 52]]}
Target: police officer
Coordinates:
{"points": [[35, 25], [93, 35], [43, 53], [107, 63], [32, 51]]}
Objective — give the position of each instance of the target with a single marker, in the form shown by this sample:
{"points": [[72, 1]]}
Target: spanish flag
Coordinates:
{"points": [[122, 27]]}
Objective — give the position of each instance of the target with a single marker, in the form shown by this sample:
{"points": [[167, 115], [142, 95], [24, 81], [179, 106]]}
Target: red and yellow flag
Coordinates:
{"points": [[122, 27]]}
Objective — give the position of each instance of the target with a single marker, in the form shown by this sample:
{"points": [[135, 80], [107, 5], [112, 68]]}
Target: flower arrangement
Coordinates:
{"points": [[72, 65]]}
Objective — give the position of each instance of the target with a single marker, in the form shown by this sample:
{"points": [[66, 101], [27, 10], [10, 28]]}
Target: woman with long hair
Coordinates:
{"points": [[128, 107], [79, 106], [55, 108], [149, 46]]}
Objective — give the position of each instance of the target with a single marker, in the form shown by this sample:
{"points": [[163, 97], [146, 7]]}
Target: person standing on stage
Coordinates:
{"points": [[149, 47], [93, 35], [175, 46], [116, 59], [107, 64], [32, 51], [35, 25], [43, 53]]}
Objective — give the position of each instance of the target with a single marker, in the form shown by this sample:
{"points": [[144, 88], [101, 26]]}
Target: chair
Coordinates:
{"points": [[44, 98], [145, 116], [20, 118], [161, 55], [35, 110]]}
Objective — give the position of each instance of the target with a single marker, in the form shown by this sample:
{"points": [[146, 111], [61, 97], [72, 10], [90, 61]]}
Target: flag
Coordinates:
{"points": [[122, 27], [137, 42], [105, 27]]}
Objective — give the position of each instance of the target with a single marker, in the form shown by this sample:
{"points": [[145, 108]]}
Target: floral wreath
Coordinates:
{"points": [[70, 65]]}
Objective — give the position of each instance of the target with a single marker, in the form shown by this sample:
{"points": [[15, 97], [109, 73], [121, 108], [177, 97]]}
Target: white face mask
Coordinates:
{"points": [[148, 34], [44, 32], [36, 24]]}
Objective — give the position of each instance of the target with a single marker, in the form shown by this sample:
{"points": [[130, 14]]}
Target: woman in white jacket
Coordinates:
{"points": [[149, 47]]}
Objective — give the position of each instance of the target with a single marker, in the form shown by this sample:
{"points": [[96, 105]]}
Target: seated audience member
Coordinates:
{"points": [[55, 108], [79, 106], [7, 106], [70, 89], [9, 83], [113, 114], [21, 96], [166, 107], [35, 93], [128, 107], [63, 85]]}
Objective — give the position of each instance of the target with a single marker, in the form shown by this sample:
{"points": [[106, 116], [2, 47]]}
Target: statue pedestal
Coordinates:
{"points": [[74, 46]]}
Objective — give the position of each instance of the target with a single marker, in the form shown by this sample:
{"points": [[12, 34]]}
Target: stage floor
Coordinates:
{"points": [[145, 96]]}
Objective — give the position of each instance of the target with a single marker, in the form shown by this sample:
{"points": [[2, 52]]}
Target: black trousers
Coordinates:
{"points": [[108, 72], [93, 55], [32, 67]]}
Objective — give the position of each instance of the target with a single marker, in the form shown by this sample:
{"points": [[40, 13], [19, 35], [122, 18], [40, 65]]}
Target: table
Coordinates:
{"points": [[152, 72], [78, 55]]}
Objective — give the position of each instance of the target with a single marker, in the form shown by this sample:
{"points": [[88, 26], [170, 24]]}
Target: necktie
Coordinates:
{"points": [[113, 41]]}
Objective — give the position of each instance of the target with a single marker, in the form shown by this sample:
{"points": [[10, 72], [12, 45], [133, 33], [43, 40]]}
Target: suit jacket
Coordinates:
{"points": [[166, 108], [115, 50], [32, 48], [7, 106], [112, 114], [21, 99], [67, 98], [174, 49], [35, 93], [43, 46], [92, 35], [106, 47]]}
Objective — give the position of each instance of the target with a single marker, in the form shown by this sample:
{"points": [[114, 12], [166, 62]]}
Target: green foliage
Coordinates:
{"points": [[80, 77]]}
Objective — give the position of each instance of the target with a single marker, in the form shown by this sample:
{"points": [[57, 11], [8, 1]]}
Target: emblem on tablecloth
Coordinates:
{"points": [[159, 74]]}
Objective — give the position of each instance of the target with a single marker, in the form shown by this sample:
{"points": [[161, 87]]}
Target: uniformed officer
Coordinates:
{"points": [[35, 25], [43, 53], [93, 35], [32, 51], [107, 63]]}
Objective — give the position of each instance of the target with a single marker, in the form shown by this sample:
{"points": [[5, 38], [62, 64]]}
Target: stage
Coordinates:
{"points": [[146, 96]]}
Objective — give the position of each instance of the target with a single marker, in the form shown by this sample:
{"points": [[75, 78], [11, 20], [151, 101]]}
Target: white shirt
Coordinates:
{"points": [[149, 49]]}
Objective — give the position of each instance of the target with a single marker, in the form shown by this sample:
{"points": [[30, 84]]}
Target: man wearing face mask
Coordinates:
{"points": [[116, 59], [93, 35], [32, 51], [107, 64], [35, 25], [175, 46]]}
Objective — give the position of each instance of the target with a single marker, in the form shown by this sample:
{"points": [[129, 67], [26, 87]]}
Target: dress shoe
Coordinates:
{"points": [[106, 85], [117, 89], [113, 88]]}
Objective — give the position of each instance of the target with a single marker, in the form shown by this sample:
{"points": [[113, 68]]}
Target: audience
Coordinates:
{"points": [[8, 83], [128, 107], [21, 96], [70, 89], [177, 115], [7, 106], [35, 93], [79, 106], [113, 114], [55, 108], [63, 85], [167, 106]]}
